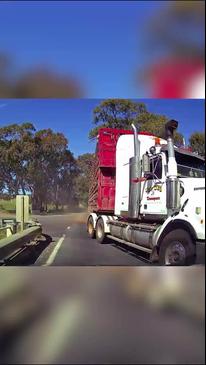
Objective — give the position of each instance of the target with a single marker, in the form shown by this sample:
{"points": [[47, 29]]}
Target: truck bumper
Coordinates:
{"points": [[200, 252]]}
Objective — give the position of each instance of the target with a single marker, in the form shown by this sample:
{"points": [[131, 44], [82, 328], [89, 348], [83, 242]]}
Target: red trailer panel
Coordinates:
{"points": [[102, 180]]}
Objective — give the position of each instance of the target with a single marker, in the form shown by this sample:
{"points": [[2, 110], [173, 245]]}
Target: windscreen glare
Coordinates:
{"points": [[189, 166]]}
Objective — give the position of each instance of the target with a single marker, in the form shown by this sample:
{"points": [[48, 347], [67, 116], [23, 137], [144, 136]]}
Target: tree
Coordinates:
{"points": [[115, 113], [121, 113], [16, 150], [155, 124], [39, 163], [66, 192], [197, 143], [52, 170], [84, 164]]}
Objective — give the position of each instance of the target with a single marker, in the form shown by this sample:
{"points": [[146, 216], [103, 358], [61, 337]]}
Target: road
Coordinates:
{"points": [[93, 315], [71, 246]]}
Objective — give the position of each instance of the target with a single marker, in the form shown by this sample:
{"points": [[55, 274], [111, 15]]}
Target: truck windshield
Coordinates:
{"points": [[189, 166]]}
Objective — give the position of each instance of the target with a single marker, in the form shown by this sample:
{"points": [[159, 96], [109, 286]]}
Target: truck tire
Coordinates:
{"points": [[90, 227], [177, 249], [100, 233]]}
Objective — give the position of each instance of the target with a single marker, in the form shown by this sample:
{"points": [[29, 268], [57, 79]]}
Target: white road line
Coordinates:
{"points": [[55, 251]]}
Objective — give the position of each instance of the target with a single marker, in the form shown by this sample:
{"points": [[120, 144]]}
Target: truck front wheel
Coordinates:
{"points": [[100, 233], [177, 249]]}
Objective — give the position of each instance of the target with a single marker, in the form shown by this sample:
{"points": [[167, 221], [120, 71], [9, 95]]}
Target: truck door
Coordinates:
{"points": [[154, 188]]}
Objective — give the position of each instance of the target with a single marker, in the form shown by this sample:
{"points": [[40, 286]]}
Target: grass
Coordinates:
{"points": [[8, 205]]}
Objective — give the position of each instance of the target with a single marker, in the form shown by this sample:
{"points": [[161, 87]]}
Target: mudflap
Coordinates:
{"points": [[154, 257], [200, 252]]}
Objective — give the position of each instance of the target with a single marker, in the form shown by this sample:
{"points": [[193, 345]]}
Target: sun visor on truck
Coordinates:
{"points": [[183, 151]]}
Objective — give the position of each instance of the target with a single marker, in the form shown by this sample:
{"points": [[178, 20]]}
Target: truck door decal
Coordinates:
{"points": [[153, 198], [154, 187]]}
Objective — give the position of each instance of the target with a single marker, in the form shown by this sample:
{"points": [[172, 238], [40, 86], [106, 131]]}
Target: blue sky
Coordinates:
{"points": [[73, 117], [97, 42]]}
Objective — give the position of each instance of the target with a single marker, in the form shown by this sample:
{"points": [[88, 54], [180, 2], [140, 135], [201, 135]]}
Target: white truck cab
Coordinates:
{"points": [[159, 198]]}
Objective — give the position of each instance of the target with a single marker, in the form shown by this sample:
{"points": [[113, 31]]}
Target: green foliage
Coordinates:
{"points": [[155, 124], [197, 142], [36, 162], [152, 123], [8, 205], [178, 139], [115, 113], [16, 149], [84, 163], [53, 169], [121, 113]]}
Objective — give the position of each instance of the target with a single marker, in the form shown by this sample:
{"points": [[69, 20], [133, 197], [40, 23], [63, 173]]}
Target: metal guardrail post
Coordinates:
{"points": [[22, 210], [9, 230]]}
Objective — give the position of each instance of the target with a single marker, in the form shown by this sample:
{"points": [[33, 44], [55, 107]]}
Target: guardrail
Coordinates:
{"points": [[16, 241], [5, 229]]}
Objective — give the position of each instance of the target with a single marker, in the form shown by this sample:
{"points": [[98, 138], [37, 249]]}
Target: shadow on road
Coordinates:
{"points": [[140, 255], [42, 244], [29, 254]]}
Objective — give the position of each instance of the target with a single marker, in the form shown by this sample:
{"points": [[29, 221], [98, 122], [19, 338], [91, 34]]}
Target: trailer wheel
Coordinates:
{"points": [[100, 233], [90, 227], [177, 249]]}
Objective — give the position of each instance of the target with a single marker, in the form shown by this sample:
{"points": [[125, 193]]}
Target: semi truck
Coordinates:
{"points": [[149, 194]]}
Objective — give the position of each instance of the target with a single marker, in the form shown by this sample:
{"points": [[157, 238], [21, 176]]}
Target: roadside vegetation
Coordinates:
{"points": [[8, 205]]}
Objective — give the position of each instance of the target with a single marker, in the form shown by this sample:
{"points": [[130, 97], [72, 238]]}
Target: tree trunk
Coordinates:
{"points": [[23, 189]]}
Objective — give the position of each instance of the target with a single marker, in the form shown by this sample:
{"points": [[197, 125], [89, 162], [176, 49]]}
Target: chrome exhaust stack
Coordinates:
{"points": [[172, 182], [134, 175]]}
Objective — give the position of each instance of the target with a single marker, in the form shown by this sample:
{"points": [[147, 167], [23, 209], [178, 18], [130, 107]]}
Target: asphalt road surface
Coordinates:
{"points": [[71, 245]]}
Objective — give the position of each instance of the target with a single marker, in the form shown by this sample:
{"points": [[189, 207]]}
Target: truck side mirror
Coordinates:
{"points": [[145, 163]]}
